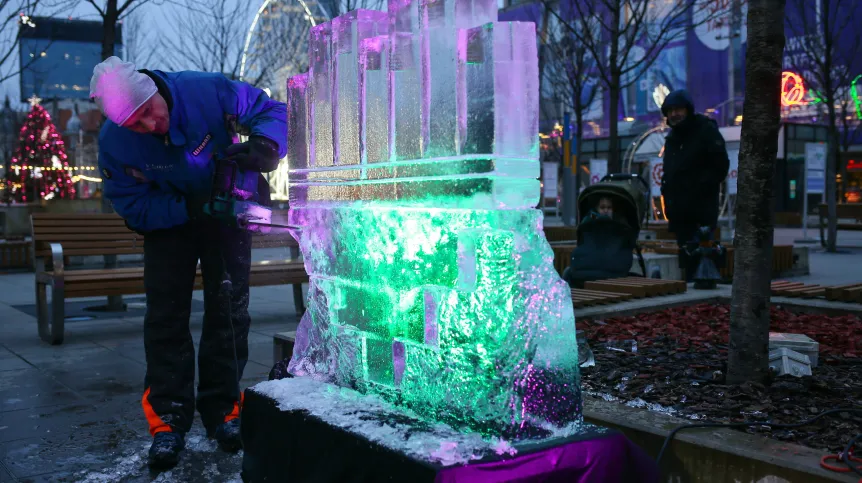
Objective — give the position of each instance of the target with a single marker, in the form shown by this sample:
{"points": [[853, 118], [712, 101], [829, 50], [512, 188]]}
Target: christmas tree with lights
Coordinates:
{"points": [[39, 167]]}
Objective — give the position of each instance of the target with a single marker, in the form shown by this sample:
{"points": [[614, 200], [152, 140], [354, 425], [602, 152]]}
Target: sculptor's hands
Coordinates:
{"points": [[257, 154]]}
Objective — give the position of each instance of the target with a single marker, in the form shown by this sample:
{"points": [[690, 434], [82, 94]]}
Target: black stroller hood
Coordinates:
{"points": [[629, 193]]}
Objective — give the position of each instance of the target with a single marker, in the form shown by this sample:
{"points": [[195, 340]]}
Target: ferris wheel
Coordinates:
{"points": [[276, 48]]}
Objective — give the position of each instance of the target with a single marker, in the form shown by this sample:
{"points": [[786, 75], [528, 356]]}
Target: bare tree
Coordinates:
{"points": [[748, 354], [568, 70], [626, 37], [111, 12], [216, 42], [830, 56], [17, 16], [138, 44]]}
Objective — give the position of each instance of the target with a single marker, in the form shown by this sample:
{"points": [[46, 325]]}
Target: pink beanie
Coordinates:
{"points": [[119, 89]]}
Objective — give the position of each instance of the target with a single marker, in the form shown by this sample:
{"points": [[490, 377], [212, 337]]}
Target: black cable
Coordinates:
{"points": [[227, 290], [845, 455], [758, 423]]}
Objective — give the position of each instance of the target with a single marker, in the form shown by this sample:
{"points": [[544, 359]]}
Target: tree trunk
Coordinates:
{"points": [[614, 165], [831, 93], [579, 136], [614, 89], [831, 183], [109, 28], [748, 355]]}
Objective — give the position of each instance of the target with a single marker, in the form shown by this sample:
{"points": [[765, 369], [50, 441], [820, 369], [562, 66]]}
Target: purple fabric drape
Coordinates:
{"points": [[606, 459]]}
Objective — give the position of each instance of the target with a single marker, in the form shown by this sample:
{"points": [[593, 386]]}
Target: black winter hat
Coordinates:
{"points": [[677, 98]]}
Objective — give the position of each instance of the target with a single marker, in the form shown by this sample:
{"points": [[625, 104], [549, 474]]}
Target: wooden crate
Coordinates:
{"points": [[845, 293], [589, 298], [840, 293], [638, 287]]}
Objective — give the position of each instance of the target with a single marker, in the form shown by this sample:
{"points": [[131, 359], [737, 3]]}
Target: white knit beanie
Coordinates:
{"points": [[119, 89]]}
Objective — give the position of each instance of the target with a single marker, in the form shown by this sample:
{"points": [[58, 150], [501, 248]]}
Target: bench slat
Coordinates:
{"points": [[75, 216], [287, 267], [48, 224], [82, 252], [120, 231]]}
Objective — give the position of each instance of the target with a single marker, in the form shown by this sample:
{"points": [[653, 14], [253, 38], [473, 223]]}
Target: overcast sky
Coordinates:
{"points": [[155, 17]]}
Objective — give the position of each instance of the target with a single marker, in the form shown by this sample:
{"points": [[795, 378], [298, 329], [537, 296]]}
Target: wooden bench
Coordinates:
{"points": [[561, 234], [842, 210], [15, 254], [59, 236]]}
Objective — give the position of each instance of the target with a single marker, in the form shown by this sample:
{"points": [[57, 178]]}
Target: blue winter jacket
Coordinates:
{"points": [[148, 178]]}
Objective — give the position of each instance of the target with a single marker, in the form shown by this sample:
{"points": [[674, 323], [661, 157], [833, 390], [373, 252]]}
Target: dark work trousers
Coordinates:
{"points": [[170, 260]]}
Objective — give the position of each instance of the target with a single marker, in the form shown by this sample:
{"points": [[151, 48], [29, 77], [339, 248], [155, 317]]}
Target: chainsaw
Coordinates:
{"points": [[231, 200]]}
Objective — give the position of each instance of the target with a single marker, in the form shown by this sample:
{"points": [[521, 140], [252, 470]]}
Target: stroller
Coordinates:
{"points": [[605, 245]]}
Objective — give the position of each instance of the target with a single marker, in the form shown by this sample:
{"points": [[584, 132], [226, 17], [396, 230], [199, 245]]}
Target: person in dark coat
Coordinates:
{"points": [[695, 164]]}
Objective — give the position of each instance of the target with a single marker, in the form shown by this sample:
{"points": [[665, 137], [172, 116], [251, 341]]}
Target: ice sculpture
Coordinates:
{"points": [[413, 151]]}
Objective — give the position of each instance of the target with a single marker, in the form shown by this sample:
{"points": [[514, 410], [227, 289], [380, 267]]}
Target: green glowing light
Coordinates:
{"points": [[854, 93]]}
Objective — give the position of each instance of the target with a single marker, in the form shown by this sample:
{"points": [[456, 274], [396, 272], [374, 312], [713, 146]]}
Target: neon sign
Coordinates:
{"points": [[792, 90]]}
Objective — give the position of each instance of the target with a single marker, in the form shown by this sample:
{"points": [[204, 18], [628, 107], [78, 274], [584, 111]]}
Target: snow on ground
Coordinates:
{"points": [[201, 461]]}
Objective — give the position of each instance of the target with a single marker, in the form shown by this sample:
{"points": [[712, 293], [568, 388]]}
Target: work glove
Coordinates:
{"points": [[257, 154]]}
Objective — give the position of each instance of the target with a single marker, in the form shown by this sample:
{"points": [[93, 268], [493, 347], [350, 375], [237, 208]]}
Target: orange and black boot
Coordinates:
{"points": [[165, 450], [227, 436]]}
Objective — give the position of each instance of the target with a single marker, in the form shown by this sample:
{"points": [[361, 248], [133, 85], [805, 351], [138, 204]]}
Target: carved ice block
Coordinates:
{"points": [[297, 122], [374, 95], [348, 32], [405, 69], [459, 14], [501, 77], [320, 95], [403, 16], [431, 282]]}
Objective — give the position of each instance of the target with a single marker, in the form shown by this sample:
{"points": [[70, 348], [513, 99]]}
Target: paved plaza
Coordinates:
{"points": [[73, 412]]}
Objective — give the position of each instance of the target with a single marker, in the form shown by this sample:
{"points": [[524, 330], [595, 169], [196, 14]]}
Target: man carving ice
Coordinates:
{"points": [[156, 153]]}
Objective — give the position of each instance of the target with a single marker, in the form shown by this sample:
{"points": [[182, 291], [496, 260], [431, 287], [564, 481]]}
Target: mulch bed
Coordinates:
{"points": [[680, 364]]}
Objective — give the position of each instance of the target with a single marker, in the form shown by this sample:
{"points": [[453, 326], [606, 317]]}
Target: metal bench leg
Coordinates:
{"points": [[43, 318], [51, 320], [58, 313]]}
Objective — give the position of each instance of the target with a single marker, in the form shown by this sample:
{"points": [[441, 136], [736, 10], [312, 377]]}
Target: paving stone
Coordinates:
{"points": [[43, 356], [43, 421], [11, 362], [100, 382], [29, 388], [85, 448], [5, 475]]}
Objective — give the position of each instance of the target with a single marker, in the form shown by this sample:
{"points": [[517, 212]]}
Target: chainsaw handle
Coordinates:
{"points": [[224, 177]]}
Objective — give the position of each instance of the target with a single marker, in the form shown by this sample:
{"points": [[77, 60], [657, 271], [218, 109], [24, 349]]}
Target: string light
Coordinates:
{"points": [[40, 164], [81, 177]]}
